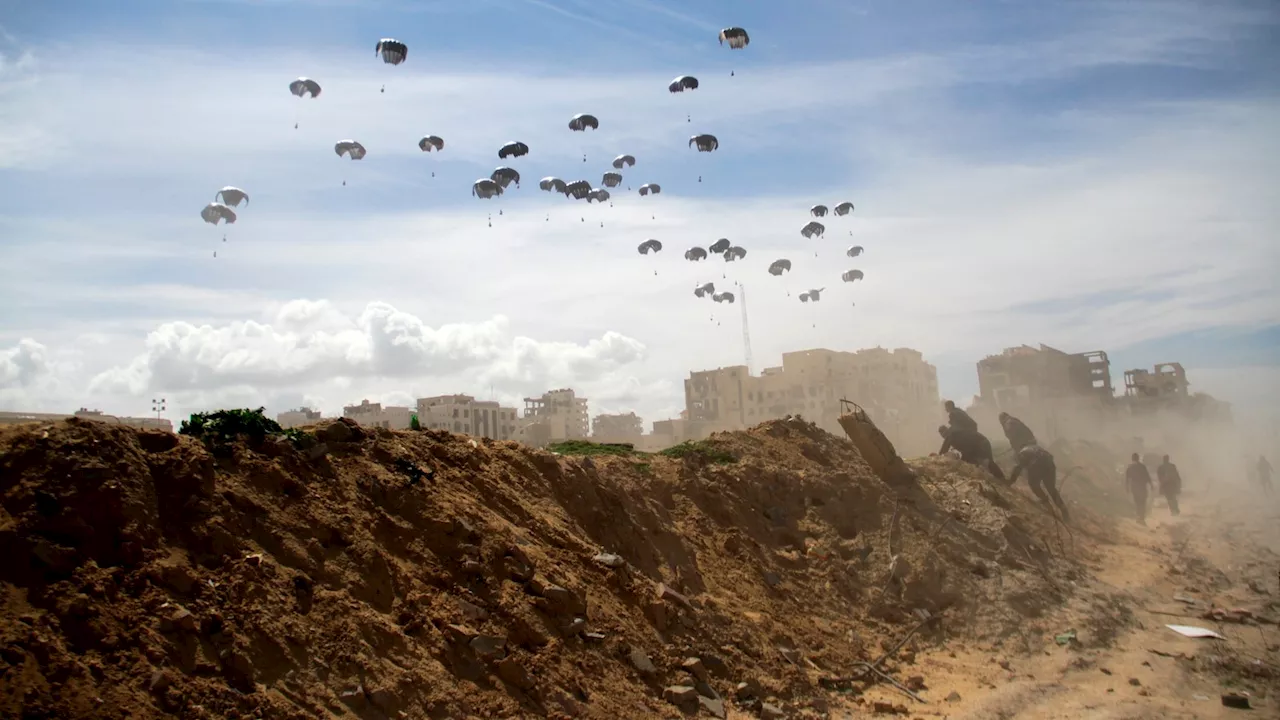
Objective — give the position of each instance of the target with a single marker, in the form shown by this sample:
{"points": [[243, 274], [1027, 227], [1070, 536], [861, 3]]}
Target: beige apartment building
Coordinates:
{"points": [[392, 417], [298, 418], [896, 387], [617, 428], [465, 414], [557, 416]]}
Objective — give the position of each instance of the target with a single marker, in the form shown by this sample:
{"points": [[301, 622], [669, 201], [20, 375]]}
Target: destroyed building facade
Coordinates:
{"points": [[465, 414]]}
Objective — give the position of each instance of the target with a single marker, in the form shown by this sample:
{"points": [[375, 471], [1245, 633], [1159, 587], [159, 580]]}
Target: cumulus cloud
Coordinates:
{"points": [[312, 341]]}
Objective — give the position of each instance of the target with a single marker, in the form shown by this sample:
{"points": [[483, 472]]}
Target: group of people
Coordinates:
{"points": [[961, 434], [1138, 479]]}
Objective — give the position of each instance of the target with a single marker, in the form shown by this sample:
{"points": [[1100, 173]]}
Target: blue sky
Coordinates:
{"points": [[1088, 174]]}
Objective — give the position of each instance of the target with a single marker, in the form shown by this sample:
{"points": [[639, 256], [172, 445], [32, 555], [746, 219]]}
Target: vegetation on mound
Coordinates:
{"points": [[584, 447], [223, 427], [699, 448]]}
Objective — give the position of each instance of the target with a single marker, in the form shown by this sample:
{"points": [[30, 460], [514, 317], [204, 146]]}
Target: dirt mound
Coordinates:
{"points": [[353, 573]]}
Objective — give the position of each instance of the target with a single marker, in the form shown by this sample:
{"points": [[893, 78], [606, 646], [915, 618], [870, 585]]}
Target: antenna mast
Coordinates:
{"points": [[746, 329]]}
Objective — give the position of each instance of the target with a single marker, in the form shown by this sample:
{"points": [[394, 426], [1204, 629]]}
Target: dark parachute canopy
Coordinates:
{"points": [[694, 254], [777, 267], [552, 184], [431, 142], [624, 161], [844, 208], [736, 37], [854, 251], [682, 83], [304, 86], [851, 275], [734, 253], [704, 142], [504, 176], [720, 245], [813, 228], [513, 149], [650, 188], [649, 246], [486, 188], [393, 51], [578, 189], [582, 121]]}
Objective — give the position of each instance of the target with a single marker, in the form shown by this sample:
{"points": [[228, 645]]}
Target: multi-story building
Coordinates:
{"points": [[1058, 394], [897, 388], [142, 423], [557, 416], [465, 414], [617, 428], [298, 418], [392, 417]]}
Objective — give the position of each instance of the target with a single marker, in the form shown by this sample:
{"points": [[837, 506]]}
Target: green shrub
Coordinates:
{"points": [[220, 428], [584, 447], [414, 424], [699, 448]]}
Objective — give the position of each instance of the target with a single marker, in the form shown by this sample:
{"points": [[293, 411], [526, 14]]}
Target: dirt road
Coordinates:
{"points": [[1127, 663]]}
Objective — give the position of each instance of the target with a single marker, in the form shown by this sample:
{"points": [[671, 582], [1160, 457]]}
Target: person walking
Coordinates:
{"points": [[1170, 483], [1138, 478], [1042, 476], [1264, 474], [1016, 431]]}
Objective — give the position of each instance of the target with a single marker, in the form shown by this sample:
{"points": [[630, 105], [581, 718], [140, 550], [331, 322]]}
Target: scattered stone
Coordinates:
{"points": [[596, 636], [641, 662], [771, 712], [471, 611], [1235, 700], [715, 706], [179, 618], [489, 647], [471, 567], [1134, 682], [575, 627], [666, 593], [953, 696], [514, 674], [744, 691], [915, 683], [694, 667], [160, 680], [561, 601], [610, 560], [1002, 662], [1105, 671], [772, 579], [385, 699], [714, 664], [887, 708], [680, 695], [792, 655]]}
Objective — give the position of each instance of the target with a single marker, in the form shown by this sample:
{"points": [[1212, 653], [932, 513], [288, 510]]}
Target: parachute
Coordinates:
{"points": [[513, 149], [350, 148], [214, 211], [779, 266], [705, 143], [624, 161], [723, 297], [682, 83], [504, 176], [431, 142], [844, 208], [818, 210], [611, 179], [813, 228], [583, 121], [599, 195], [811, 296], [734, 253], [720, 245], [694, 254], [736, 37], [649, 246], [393, 52], [303, 86], [232, 196], [552, 183], [578, 190], [650, 188], [705, 289], [851, 275], [854, 251], [486, 188]]}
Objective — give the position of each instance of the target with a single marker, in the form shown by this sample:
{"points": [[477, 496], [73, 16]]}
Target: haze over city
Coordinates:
{"points": [[1094, 175]]}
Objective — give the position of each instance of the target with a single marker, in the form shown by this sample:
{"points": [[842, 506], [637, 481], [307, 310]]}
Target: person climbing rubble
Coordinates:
{"points": [[1138, 478], [1170, 483], [1264, 474], [959, 419], [1017, 432], [1042, 476], [974, 448]]}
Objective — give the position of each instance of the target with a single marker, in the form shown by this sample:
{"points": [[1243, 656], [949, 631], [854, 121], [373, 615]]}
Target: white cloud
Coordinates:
{"points": [[972, 244]]}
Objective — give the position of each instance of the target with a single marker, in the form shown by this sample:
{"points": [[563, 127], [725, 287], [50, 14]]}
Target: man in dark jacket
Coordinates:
{"points": [[959, 419], [1042, 475], [974, 448], [1138, 478], [1017, 432], [1170, 483], [1264, 474]]}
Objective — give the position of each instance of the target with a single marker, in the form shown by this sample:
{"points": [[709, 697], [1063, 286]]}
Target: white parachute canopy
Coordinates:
{"points": [[232, 196], [213, 212], [350, 148]]}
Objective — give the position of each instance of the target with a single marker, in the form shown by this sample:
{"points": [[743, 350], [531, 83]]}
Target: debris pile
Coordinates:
{"points": [[349, 572]]}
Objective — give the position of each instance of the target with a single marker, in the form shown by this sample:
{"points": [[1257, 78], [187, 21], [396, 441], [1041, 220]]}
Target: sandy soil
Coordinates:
{"points": [[378, 574]]}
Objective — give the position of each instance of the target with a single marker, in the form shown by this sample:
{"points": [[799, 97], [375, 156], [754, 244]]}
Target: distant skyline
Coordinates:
{"points": [[1096, 174]]}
